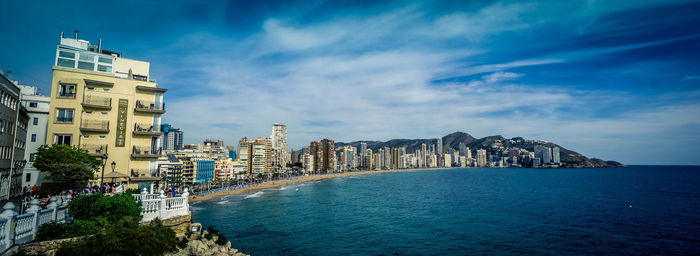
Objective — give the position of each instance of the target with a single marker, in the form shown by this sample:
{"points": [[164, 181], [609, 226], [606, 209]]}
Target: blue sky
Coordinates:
{"points": [[617, 80]]}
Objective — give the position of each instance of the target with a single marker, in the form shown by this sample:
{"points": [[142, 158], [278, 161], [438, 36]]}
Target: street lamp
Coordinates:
{"points": [[102, 178]]}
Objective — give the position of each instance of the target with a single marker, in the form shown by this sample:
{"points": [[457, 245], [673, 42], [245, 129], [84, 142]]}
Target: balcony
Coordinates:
{"points": [[146, 129], [149, 107], [150, 89], [145, 152], [95, 149], [94, 126], [94, 101]]}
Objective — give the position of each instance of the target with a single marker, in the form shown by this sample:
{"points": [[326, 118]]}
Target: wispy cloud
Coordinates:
{"points": [[599, 77]]}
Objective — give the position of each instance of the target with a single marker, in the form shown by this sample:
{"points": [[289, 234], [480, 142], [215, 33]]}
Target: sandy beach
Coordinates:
{"points": [[300, 179]]}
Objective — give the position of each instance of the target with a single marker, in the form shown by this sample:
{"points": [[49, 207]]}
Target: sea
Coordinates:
{"points": [[638, 210]]}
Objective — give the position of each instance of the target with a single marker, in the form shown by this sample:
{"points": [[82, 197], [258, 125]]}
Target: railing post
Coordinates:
{"points": [[161, 211], [53, 206], [34, 207], [9, 214], [186, 195], [144, 192]]}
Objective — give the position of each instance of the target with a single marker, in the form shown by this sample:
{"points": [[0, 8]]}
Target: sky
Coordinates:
{"points": [[617, 80]]}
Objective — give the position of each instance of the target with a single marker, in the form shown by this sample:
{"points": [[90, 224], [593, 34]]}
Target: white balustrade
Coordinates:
{"points": [[159, 206], [19, 229]]}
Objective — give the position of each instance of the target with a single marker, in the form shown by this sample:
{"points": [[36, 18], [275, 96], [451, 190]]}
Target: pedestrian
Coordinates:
{"points": [[35, 189]]}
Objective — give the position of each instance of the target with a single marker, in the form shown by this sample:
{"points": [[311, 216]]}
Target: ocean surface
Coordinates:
{"points": [[649, 210]]}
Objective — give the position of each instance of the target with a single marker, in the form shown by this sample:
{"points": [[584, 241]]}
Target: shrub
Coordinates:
{"points": [[125, 237], [103, 209], [183, 243], [221, 239], [53, 230], [208, 236]]}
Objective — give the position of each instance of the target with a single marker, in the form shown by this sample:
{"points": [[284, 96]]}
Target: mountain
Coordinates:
{"points": [[493, 144]]}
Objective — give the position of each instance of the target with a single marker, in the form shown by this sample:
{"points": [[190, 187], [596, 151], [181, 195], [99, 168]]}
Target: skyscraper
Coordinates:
{"points": [[555, 155], [323, 153], [439, 146], [172, 138], [279, 142], [481, 157]]}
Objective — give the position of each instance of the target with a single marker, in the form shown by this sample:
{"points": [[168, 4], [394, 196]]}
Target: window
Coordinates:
{"points": [[104, 68], [64, 116], [29, 175], [102, 137], [33, 104], [105, 90], [33, 137], [36, 121], [104, 113], [91, 88], [62, 139], [67, 91], [66, 59], [86, 136], [86, 65], [105, 60]]}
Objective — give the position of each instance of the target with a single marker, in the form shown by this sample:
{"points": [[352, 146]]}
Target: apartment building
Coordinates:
{"points": [[108, 105]]}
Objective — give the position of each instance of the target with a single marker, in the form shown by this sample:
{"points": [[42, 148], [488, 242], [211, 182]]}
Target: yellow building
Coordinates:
{"points": [[109, 106]]}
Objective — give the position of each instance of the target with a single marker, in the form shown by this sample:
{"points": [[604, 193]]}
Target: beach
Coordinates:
{"points": [[299, 179]]}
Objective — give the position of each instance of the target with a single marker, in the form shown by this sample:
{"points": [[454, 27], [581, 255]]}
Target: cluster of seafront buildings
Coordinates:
{"points": [[110, 106], [323, 156]]}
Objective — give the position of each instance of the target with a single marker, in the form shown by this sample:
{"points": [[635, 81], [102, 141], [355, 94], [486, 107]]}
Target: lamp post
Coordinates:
{"points": [[102, 178]]}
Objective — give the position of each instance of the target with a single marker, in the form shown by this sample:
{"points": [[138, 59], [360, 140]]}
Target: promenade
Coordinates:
{"points": [[245, 189]]}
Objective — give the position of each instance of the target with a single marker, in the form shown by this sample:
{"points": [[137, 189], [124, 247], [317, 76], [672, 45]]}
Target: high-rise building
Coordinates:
{"points": [[37, 107], [97, 96], [13, 133], [279, 143], [481, 158], [555, 155], [323, 153], [546, 155], [439, 146], [462, 149], [172, 138], [259, 156]]}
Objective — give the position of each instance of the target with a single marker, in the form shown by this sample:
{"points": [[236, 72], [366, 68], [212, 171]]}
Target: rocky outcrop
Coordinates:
{"points": [[40, 248], [198, 244]]}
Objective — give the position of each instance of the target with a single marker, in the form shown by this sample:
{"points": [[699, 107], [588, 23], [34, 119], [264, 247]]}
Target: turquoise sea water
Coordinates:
{"points": [[636, 210]]}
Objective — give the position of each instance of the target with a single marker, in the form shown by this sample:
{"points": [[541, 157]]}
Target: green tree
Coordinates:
{"points": [[103, 209], [68, 167]]}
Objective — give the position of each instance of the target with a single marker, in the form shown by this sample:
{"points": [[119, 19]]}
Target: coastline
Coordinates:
{"points": [[300, 179]]}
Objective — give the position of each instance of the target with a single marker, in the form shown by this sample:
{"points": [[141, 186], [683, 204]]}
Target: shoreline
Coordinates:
{"points": [[279, 183]]}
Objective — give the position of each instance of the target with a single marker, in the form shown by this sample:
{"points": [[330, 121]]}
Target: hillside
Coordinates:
{"points": [[493, 144]]}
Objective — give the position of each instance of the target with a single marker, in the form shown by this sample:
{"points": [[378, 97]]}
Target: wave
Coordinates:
{"points": [[254, 195], [222, 202], [196, 208]]}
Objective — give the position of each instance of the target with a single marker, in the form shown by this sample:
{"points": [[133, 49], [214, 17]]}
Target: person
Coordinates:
{"points": [[174, 192], [119, 189], [35, 189]]}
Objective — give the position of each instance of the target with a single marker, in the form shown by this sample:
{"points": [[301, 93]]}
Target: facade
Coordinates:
{"points": [[279, 143], [205, 170], [171, 169], [555, 155], [323, 153], [481, 158], [13, 132], [37, 107], [172, 138], [109, 106]]}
